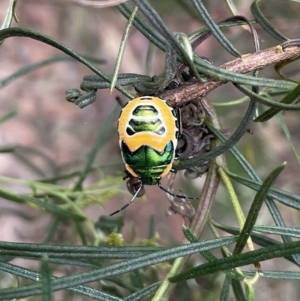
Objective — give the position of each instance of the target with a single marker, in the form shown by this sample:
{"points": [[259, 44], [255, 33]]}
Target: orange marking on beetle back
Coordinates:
{"points": [[131, 171], [166, 170], [156, 141]]}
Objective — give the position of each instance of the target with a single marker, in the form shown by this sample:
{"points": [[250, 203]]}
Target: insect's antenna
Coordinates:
{"points": [[176, 195], [126, 205]]}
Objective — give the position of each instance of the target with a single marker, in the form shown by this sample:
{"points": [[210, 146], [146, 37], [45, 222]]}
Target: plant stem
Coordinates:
{"points": [[202, 213]]}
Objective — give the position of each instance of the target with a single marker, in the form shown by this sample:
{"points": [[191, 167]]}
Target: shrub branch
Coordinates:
{"points": [[247, 63]]}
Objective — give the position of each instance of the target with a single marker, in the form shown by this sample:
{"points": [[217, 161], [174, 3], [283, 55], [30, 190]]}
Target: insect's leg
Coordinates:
{"points": [[126, 205], [176, 195]]}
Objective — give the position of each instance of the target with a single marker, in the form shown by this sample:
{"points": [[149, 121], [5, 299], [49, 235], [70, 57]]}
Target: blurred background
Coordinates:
{"points": [[52, 136]]}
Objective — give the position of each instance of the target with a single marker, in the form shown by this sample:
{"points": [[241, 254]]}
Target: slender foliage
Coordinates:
{"points": [[131, 267]]}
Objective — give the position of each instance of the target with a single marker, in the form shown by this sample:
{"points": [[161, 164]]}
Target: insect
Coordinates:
{"points": [[148, 131]]}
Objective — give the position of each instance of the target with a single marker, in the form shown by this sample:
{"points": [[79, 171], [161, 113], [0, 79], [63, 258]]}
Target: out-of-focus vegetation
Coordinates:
{"points": [[61, 169]]}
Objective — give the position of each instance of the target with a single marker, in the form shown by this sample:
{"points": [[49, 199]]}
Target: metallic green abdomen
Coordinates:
{"points": [[147, 163]]}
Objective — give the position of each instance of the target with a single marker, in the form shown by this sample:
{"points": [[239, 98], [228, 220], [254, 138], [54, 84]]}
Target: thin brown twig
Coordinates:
{"points": [[247, 63]]}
